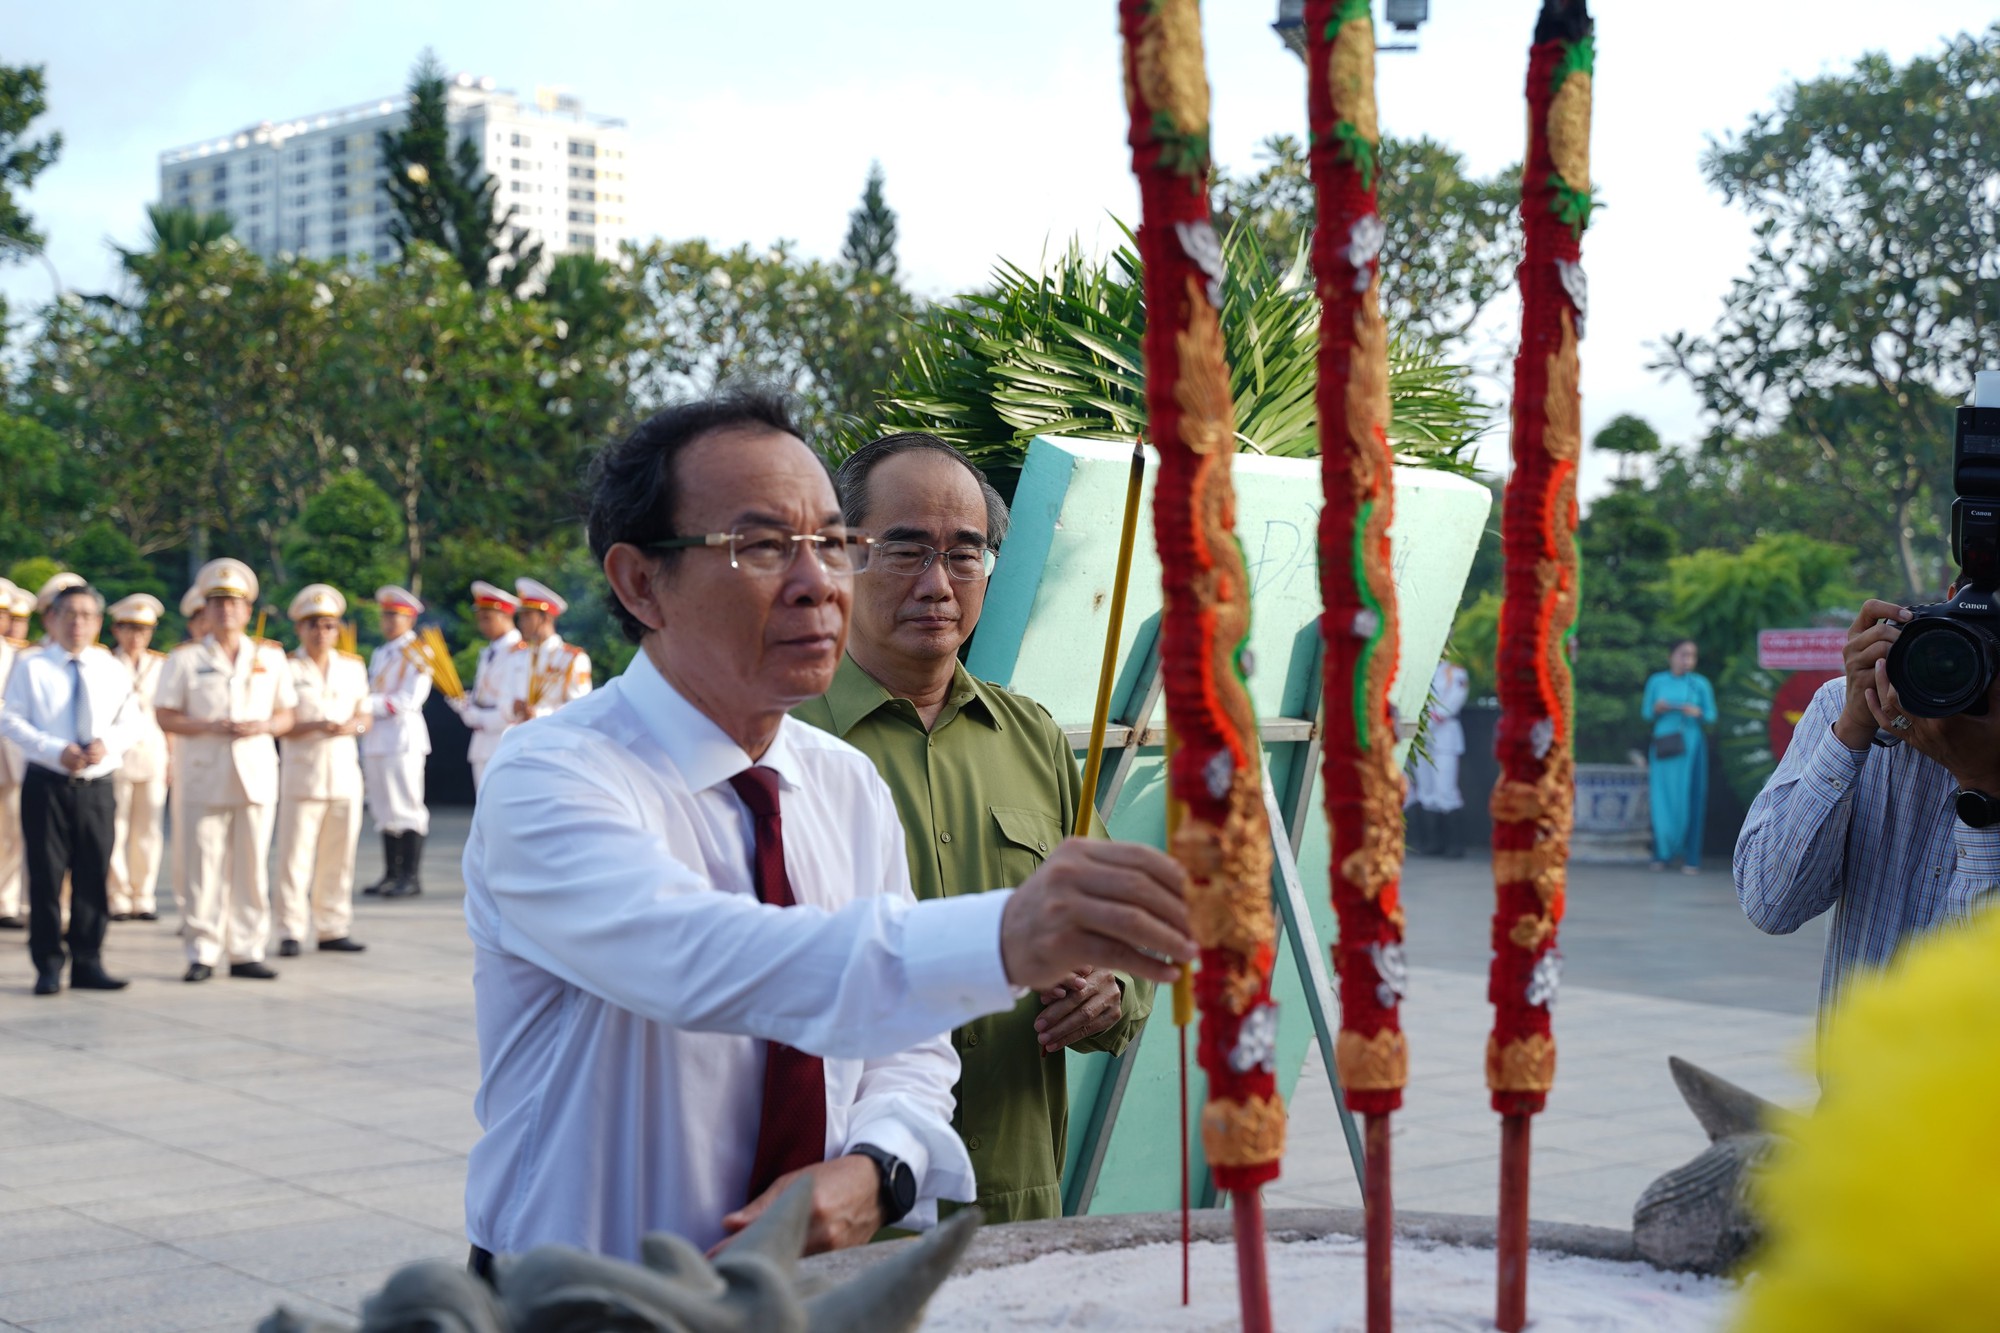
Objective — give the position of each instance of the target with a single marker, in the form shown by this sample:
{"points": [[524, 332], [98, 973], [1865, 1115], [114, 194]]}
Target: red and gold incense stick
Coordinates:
{"points": [[1214, 775], [1359, 623], [1533, 804]]}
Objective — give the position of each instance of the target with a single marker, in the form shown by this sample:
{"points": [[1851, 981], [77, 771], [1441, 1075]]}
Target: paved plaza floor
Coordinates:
{"points": [[179, 1157]]}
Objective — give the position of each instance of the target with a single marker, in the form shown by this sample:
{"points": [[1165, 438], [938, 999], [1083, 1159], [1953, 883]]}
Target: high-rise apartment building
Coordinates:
{"points": [[314, 186]]}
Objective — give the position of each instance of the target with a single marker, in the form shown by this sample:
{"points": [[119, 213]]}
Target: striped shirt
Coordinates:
{"points": [[1869, 833]]}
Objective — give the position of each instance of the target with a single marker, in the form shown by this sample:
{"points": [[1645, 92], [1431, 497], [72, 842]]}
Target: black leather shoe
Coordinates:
{"points": [[12, 923], [48, 978], [341, 945], [121, 916], [198, 972], [252, 971], [145, 916], [288, 949], [89, 974]]}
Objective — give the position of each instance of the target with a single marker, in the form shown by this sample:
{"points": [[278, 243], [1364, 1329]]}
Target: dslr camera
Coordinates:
{"points": [[1944, 662]]}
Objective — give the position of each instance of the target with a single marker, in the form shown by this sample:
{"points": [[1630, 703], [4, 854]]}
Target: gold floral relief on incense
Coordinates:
{"points": [[1229, 875], [1376, 863], [1530, 932], [1350, 72], [1171, 77], [1368, 392], [1246, 1133], [1372, 1064], [1526, 1065], [1562, 436], [1208, 414], [1543, 867], [1569, 130]]}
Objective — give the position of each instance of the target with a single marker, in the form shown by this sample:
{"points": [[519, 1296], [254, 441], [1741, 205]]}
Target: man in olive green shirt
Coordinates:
{"points": [[985, 782]]}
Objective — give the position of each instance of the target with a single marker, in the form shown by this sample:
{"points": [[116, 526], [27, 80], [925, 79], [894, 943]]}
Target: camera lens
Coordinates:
{"points": [[1941, 667]]}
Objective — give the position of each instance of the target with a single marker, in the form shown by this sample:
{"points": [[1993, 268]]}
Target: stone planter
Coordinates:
{"points": [[1614, 822]]}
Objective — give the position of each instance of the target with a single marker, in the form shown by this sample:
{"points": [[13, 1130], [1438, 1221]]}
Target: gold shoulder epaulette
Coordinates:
{"points": [[352, 657]]}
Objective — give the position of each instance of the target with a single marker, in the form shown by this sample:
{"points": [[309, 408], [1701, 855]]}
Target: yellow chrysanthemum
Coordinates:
{"points": [[1883, 1209]]}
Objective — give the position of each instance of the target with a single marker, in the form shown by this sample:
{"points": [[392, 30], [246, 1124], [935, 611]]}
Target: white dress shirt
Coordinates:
{"points": [[626, 976], [397, 690], [38, 712], [485, 709]]}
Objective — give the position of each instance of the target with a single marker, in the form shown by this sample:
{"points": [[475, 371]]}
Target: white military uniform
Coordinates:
{"points": [[545, 675], [1434, 784], [319, 802], [13, 900], [396, 744], [485, 709], [138, 832], [227, 788]]}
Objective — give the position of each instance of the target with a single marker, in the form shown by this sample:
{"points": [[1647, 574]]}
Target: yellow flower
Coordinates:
{"points": [[1883, 1209]]}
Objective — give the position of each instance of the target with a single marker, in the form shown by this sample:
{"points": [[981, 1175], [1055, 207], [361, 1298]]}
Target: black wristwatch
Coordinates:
{"points": [[1976, 809], [899, 1183]]}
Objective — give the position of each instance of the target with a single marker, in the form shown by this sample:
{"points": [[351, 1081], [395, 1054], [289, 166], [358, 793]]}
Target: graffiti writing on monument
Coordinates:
{"points": [[1283, 554]]}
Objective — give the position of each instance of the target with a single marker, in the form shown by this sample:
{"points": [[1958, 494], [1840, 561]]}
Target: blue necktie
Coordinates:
{"points": [[81, 722]]}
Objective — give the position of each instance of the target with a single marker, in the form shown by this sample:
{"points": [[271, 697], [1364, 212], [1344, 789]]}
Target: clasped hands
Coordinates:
{"points": [[75, 758]]}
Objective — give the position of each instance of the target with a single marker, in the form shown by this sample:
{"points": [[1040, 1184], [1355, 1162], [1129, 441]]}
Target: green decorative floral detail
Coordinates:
{"points": [[1355, 148], [1186, 154], [1572, 206], [1361, 700], [1347, 12], [1578, 58]]}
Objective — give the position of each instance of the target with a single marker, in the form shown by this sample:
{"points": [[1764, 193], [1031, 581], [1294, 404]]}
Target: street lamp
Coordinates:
{"points": [[1403, 16]]}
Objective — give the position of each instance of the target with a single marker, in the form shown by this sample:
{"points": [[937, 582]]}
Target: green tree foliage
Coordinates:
{"points": [[716, 317], [176, 235], [1832, 480], [444, 196], [1452, 242], [23, 97], [1722, 598], [1621, 633], [350, 534], [1059, 354], [43, 483], [1874, 289], [871, 231]]}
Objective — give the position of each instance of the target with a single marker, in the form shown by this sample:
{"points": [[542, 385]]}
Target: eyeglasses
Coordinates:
{"points": [[763, 548], [964, 563]]}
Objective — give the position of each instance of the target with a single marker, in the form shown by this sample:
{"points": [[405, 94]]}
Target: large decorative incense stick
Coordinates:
{"points": [[1533, 805], [1359, 623], [1223, 835]]}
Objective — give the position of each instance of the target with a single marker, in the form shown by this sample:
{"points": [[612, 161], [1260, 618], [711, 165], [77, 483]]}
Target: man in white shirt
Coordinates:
{"points": [[69, 709], [319, 780], [13, 909], [139, 833], [667, 1042], [397, 744], [226, 697], [543, 672], [484, 710]]}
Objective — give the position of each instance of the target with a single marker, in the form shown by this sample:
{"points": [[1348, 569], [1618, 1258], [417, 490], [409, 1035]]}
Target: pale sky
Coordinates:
{"points": [[999, 126]]}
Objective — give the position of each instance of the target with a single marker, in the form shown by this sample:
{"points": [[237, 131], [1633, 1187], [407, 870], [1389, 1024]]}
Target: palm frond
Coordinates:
{"points": [[1058, 353]]}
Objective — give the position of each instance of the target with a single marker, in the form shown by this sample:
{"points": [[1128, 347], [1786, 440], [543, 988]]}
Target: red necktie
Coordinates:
{"points": [[792, 1131]]}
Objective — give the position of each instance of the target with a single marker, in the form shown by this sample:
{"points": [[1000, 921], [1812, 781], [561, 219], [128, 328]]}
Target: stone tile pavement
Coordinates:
{"points": [[179, 1157]]}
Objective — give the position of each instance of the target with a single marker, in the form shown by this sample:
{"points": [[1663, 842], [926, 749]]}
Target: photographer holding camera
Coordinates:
{"points": [[1886, 807]]}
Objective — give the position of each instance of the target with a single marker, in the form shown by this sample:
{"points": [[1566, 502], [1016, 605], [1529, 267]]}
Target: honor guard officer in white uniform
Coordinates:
{"points": [[484, 710], [319, 780], [13, 901], [543, 672], [140, 784], [397, 744], [226, 696], [194, 611]]}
